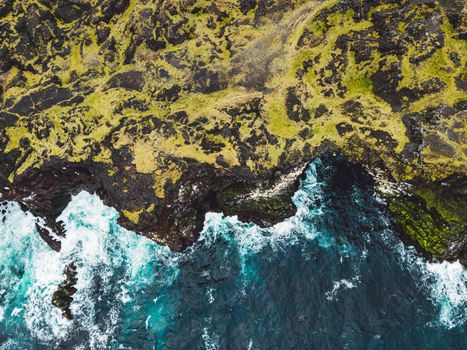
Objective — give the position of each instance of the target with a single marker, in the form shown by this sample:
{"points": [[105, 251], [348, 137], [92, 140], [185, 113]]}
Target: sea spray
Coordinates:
{"points": [[332, 276], [449, 292], [29, 273], [112, 264]]}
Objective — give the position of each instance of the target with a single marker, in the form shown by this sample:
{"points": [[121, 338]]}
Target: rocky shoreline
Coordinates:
{"points": [[170, 109], [263, 201]]}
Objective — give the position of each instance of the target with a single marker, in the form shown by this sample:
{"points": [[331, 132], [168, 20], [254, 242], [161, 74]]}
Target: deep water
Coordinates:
{"points": [[333, 277]]}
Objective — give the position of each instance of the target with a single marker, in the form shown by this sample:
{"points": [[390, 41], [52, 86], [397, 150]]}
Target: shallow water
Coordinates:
{"points": [[332, 277]]}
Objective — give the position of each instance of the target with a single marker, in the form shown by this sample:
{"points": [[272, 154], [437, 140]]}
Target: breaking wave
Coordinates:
{"points": [[332, 276]]}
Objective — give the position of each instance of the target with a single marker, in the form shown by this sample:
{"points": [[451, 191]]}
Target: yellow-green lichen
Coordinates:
{"points": [[196, 99]]}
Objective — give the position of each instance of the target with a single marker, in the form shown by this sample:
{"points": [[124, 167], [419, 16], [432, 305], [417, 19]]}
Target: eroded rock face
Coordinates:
{"points": [[169, 109]]}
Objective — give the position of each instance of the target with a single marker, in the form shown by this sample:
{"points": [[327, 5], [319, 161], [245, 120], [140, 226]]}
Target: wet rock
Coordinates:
{"points": [[53, 189], [265, 211], [423, 218], [463, 256], [49, 238], [63, 296], [267, 205]]}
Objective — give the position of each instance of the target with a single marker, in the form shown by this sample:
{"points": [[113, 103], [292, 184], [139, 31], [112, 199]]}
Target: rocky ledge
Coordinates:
{"points": [[170, 109]]}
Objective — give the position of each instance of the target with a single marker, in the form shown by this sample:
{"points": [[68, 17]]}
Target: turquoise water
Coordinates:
{"points": [[332, 277]]}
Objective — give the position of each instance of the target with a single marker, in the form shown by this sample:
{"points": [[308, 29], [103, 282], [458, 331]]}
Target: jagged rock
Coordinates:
{"points": [[63, 296]]}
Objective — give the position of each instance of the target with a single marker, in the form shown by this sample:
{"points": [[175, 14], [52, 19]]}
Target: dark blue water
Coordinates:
{"points": [[332, 277]]}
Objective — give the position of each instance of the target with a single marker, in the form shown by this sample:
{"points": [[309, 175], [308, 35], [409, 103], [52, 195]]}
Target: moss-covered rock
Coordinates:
{"points": [[435, 218], [161, 106]]}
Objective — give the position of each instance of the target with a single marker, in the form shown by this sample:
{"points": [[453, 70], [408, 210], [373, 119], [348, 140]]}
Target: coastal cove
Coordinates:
{"points": [[333, 275]]}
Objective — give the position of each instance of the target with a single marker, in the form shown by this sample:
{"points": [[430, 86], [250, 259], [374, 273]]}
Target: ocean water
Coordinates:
{"points": [[334, 276]]}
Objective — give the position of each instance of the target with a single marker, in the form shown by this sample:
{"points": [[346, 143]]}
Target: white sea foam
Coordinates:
{"points": [[97, 246], [210, 295], [251, 239], [31, 271], [211, 341], [342, 285], [449, 291], [446, 283], [9, 344]]}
